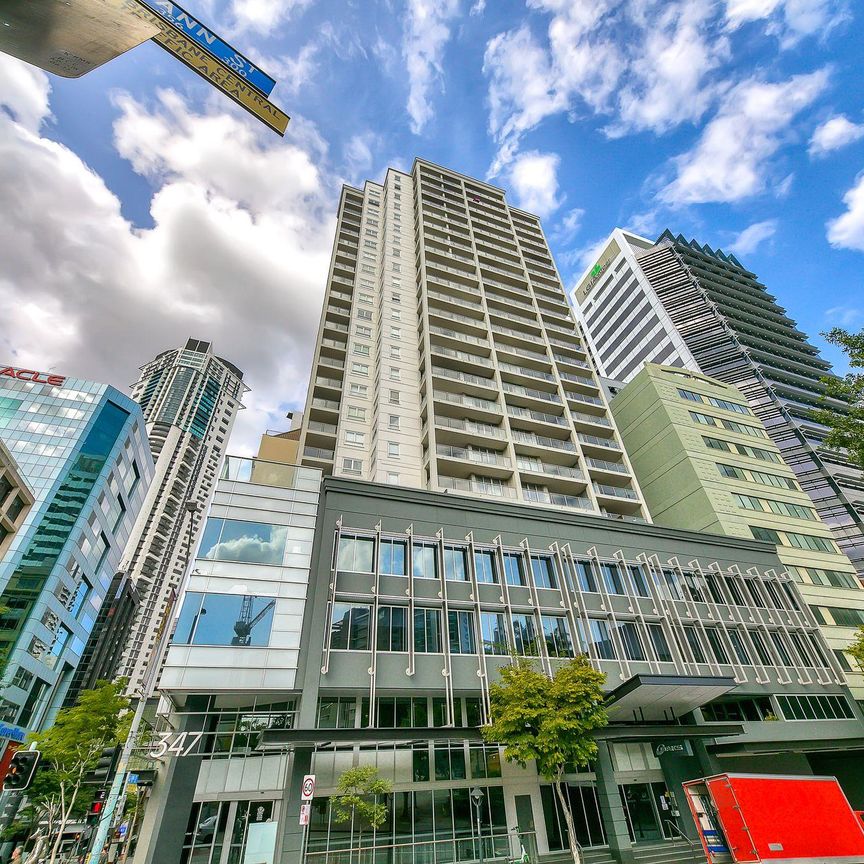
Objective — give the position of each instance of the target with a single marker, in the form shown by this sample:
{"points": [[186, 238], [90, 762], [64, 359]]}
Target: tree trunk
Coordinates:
{"points": [[568, 818], [66, 812]]}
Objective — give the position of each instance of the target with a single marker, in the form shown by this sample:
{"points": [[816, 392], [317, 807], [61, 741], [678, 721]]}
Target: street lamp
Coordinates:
{"points": [[477, 797]]}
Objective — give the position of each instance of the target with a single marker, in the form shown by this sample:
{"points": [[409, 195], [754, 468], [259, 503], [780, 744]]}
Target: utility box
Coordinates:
{"points": [[751, 818]]}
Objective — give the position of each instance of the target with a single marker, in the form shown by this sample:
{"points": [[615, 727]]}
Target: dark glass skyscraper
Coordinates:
{"points": [[721, 320]]}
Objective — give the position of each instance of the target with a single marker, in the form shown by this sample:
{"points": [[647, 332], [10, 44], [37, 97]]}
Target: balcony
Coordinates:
{"points": [[459, 319], [535, 466], [458, 337], [328, 383], [530, 393], [492, 297], [330, 406], [473, 381], [532, 440], [604, 466], [512, 369], [461, 357], [475, 487], [457, 301], [474, 407], [522, 352], [463, 461], [319, 453], [571, 361], [584, 398], [595, 441], [458, 431], [579, 380], [615, 491], [581, 418], [557, 499]]}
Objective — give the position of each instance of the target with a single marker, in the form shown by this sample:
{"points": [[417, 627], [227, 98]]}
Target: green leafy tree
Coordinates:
{"points": [[70, 749], [357, 799], [847, 427], [856, 648], [549, 720]]}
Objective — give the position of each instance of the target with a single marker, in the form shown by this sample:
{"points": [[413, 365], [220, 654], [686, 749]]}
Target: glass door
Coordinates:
{"points": [[642, 821]]}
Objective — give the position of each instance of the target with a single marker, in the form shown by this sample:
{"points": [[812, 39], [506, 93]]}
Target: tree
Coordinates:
{"points": [[846, 427], [856, 647], [549, 720], [70, 749], [357, 798]]}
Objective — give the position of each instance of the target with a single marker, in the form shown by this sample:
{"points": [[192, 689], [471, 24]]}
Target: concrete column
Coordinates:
{"points": [[611, 808], [167, 815], [290, 849]]}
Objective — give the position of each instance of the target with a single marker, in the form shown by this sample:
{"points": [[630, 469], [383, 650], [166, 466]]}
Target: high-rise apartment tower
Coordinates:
{"points": [[684, 304], [190, 398], [448, 359]]}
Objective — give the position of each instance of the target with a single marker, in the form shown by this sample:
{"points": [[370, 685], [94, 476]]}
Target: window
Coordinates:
{"points": [[460, 628], [791, 538], [695, 644], [427, 631], [600, 639], [356, 413], [361, 349], [355, 439], [364, 314], [815, 707], [369, 244], [543, 570], [585, 575], [355, 554], [556, 635], [449, 765], [395, 352], [762, 477], [247, 542], [424, 561], [352, 466], [395, 332], [658, 640], [742, 449], [843, 660], [631, 641], [393, 422], [392, 557], [715, 641], [395, 374], [364, 298], [484, 566], [493, 633], [455, 567], [360, 368], [394, 397], [781, 508], [525, 635], [761, 651], [713, 400], [392, 478], [395, 297], [393, 449], [402, 712], [391, 632], [731, 425], [780, 647], [336, 712], [739, 648], [396, 268], [238, 620], [396, 314], [612, 578], [349, 627], [358, 389], [514, 570], [640, 581]]}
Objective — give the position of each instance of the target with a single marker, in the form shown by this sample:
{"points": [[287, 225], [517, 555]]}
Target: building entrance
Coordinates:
{"points": [[649, 816]]}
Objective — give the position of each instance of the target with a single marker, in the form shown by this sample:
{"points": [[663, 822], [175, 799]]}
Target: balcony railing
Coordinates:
{"points": [[466, 377], [530, 392], [591, 418], [458, 484], [462, 337], [467, 401], [537, 467], [540, 496], [543, 441], [615, 491], [482, 457], [606, 465], [524, 370], [476, 359], [317, 453], [539, 416], [468, 426], [597, 441]]}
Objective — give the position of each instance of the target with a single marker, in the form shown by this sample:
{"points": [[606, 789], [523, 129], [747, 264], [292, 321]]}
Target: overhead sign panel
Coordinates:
{"points": [[213, 44], [208, 67]]}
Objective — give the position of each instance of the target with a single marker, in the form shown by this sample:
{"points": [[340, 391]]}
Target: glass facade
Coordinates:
{"points": [[82, 449]]}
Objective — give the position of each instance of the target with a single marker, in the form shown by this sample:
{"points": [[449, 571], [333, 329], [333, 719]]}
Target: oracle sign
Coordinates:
{"points": [[33, 375]]}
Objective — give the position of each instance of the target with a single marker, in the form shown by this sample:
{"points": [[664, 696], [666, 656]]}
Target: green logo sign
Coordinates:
{"points": [[596, 270]]}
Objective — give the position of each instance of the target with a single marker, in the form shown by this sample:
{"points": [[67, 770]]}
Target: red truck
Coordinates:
{"points": [[751, 818]]}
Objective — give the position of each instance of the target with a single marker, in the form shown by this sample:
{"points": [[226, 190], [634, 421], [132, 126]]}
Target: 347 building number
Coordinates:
{"points": [[174, 744]]}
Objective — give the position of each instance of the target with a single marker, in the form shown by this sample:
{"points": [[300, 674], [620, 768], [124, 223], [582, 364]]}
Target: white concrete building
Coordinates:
{"points": [[448, 358], [190, 399]]}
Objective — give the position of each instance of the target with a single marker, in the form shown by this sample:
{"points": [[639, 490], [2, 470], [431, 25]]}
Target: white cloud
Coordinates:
{"points": [[291, 73], [645, 64], [534, 179], [834, 134], [359, 154], [729, 162], [847, 230], [25, 92], [263, 16], [237, 255], [843, 316], [752, 237], [426, 34], [790, 20], [570, 224]]}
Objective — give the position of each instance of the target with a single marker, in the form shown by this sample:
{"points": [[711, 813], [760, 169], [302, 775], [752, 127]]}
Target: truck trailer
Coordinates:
{"points": [[753, 818]]}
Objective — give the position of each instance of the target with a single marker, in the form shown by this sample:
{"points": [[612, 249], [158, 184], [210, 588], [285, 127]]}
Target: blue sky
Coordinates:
{"points": [[139, 206]]}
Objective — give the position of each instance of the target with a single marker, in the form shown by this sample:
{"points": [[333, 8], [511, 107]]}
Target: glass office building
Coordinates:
{"points": [[82, 449]]}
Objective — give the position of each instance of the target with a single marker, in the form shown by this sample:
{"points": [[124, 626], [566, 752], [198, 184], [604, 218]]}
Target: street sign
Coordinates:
{"points": [[213, 44], [132, 778], [307, 790], [208, 67], [305, 813], [123, 829]]}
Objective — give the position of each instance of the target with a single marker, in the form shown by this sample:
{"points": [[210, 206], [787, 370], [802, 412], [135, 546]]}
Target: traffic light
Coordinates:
{"points": [[102, 772], [21, 771], [94, 814]]}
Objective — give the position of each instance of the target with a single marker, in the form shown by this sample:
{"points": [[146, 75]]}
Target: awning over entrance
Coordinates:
{"points": [[663, 697]]}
